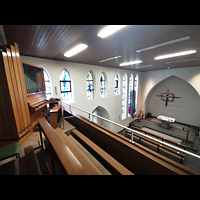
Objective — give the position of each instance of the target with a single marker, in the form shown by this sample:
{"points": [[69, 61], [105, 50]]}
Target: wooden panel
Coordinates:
{"points": [[109, 162], [23, 85], [13, 91], [7, 116], [55, 116], [3, 114], [15, 121], [22, 113], [39, 40]]}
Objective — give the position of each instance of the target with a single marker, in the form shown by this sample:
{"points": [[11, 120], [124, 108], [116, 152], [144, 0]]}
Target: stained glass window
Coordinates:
{"points": [[47, 85], [90, 86], [136, 90], [116, 84], [65, 86], [102, 85], [124, 96], [129, 92]]}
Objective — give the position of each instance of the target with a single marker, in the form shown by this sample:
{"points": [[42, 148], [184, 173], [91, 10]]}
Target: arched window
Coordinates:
{"points": [[47, 85], [90, 86], [124, 96], [102, 85], [117, 84], [65, 86], [136, 90], [130, 87]]}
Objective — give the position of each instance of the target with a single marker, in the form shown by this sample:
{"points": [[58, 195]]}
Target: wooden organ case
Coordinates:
{"points": [[35, 86], [19, 109]]}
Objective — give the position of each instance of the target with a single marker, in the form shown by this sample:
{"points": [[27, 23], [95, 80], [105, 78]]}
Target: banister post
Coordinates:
{"points": [[132, 137], [70, 108]]}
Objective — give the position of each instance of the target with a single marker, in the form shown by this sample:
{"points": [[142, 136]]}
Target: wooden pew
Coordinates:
{"points": [[164, 148], [157, 145], [135, 157], [85, 162], [67, 158], [160, 137], [108, 161], [31, 161]]}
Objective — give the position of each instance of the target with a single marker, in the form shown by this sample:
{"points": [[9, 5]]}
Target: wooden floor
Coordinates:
{"points": [[176, 131]]}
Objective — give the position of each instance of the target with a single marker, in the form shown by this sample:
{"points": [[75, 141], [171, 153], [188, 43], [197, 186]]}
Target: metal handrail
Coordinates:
{"points": [[135, 131]]}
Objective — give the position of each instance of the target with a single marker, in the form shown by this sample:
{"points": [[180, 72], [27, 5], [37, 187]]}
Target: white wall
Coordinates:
{"points": [[185, 110], [190, 87], [78, 72]]}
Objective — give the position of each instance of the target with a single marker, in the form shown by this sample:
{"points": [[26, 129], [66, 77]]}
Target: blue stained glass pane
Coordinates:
{"points": [[64, 78]]}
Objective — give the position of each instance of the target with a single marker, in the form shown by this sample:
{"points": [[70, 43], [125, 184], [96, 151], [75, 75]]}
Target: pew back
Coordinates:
{"points": [[70, 163]]}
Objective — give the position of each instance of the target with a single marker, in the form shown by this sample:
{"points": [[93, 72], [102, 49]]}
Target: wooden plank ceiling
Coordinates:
{"points": [[52, 41]]}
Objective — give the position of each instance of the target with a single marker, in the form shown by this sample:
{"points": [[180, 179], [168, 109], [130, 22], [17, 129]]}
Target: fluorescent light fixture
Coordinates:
{"points": [[110, 58], [165, 43], [109, 30], [138, 67], [78, 48], [177, 61], [131, 63], [175, 54]]}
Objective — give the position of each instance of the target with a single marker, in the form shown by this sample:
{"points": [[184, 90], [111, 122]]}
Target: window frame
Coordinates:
{"points": [[68, 92]]}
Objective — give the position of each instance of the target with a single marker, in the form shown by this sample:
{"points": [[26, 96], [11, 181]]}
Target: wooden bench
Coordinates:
{"points": [[160, 137], [69, 161], [32, 164], [108, 161], [159, 147], [85, 162]]}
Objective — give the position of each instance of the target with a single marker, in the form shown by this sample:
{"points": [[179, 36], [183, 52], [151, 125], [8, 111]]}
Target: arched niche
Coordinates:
{"points": [[102, 112], [185, 110]]}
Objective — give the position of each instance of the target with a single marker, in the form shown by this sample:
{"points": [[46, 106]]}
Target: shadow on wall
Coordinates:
{"points": [[185, 110], [102, 112]]}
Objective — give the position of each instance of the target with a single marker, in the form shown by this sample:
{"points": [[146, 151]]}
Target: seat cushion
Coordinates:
{"points": [[9, 150]]}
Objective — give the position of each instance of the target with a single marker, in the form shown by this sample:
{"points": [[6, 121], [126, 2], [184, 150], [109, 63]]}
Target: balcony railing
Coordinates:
{"points": [[90, 117]]}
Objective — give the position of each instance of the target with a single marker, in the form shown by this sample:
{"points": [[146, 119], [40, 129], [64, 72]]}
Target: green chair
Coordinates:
{"points": [[10, 150]]}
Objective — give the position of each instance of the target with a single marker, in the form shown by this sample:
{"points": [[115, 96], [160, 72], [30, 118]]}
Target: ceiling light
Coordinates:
{"points": [[143, 66], [175, 54], [177, 61], [110, 58], [109, 30], [131, 63], [165, 43], [78, 48]]}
